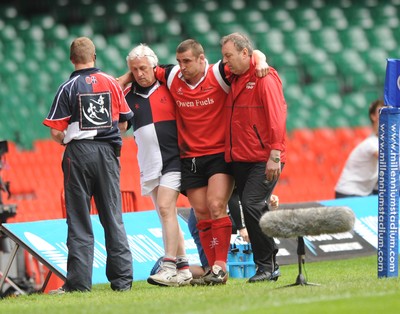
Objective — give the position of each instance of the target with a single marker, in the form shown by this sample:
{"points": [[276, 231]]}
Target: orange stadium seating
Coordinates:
{"points": [[315, 160], [36, 181]]}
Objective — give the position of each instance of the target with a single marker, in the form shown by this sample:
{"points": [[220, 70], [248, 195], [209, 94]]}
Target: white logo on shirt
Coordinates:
{"points": [[95, 111], [250, 85]]}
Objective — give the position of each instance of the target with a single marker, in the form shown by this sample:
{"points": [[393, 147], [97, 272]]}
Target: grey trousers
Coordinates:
{"points": [[92, 169]]}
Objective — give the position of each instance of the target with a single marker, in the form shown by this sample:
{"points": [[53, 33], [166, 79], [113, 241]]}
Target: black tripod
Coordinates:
{"points": [[301, 252]]}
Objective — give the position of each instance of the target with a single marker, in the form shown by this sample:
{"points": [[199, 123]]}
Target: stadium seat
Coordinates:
{"points": [[9, 14], [175, 7], [272, 42], [316, 90], [299, 40], [362, 132], [261, 5], [362, 81], [206, 5], [290, 76], [252, 20], [81, 30], [338, 118], [195, 23], [227, 28], [123, 42], [386, 14], [375, 58], [165, 55], [359, 102], [58, 54], [222, 16], [320, 116], [306, 17], [347, 139], [333, 16], [300, 116], [209, 39], [382, 36], [318, 71], [279, 18], [299, 107], [356, 100], [324, 139], [158, 31], [359, 15], [132, 18], [349, 61], [304, 137], [327, 38], [38, 50], [355, 38], [292, 93]]}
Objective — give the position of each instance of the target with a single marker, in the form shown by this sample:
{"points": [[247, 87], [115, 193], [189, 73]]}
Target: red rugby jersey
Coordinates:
{"points": [[200, 115]]}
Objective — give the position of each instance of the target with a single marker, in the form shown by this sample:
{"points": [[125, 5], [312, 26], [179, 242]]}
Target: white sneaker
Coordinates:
{"points": [[165, 277], [184, 277]]}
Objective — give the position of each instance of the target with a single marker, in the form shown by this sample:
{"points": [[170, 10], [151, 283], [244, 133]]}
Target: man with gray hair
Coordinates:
{"points": [[154, 129], [254, 144]]}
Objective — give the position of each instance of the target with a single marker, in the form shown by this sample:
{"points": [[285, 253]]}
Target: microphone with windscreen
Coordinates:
{"points": [[290, 223], [312, 221]]}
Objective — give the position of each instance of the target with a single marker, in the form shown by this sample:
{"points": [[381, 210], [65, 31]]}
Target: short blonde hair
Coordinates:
{"points": [[82, 50]]}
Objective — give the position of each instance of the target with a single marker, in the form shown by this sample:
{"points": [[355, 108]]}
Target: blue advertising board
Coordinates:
{"points": [[366, 211], [48, 240]]}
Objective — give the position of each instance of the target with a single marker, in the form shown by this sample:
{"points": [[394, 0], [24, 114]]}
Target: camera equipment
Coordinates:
{"points": [[6, 210], [3, 147]]}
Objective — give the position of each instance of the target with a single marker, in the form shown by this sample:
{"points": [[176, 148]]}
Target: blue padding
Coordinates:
{"points": [[392, 83]]}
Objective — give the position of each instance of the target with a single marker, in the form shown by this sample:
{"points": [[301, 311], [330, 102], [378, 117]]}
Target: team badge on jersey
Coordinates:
{"points": [[95, 111], [250, 85]]}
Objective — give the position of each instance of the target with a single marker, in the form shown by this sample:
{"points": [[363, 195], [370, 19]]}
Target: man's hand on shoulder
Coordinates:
{"points": [[125, 79], [262, 69]]}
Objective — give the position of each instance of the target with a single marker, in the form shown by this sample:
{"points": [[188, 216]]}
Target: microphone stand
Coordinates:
{"points": [[301, 253]]}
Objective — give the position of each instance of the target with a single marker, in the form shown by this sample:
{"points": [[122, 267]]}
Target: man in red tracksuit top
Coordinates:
{"points": [[255, 144]]}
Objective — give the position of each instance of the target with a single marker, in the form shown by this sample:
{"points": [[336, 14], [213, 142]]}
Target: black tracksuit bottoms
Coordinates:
{"points": [[254, 192]]}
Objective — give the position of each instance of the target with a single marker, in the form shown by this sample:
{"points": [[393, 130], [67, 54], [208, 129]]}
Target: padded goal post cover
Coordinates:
{"points": [[388, 192], [392, 83]]}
